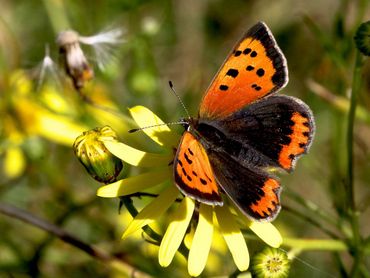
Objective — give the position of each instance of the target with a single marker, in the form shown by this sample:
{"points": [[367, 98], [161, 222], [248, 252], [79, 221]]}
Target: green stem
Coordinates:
{"points": [[315, 244], [311, 206], [183, 250], [351, 205], [341, 268], [310, 220], [351, 117], [57, 15], [309, 244]]}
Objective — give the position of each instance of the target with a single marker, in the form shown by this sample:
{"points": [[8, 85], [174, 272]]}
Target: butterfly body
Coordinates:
{"points": [[243, 130]]}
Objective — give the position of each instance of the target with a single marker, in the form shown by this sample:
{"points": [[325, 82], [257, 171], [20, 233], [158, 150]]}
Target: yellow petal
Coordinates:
{"points": [[175, 232], [267, 232], [54, 100], [14, 162], [38, 120], [201, 242], [152, 211], [136, 157], [135, 184], [162, 135], [233, 237]]}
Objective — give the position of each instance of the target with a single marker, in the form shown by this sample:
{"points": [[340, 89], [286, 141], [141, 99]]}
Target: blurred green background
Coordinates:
{"points": [[185, 42]]}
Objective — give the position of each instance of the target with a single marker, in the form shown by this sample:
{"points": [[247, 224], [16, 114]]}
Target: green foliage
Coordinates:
{"points": [[324, 220]]}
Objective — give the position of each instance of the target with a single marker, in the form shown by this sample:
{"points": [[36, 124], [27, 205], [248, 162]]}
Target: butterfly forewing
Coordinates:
{"points": [[255, 68], [253, 191], [193, 173]]}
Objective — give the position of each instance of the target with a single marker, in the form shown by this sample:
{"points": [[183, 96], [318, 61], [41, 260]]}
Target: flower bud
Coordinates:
{"points": [[98, 161], [362, 38], [271, 262]]}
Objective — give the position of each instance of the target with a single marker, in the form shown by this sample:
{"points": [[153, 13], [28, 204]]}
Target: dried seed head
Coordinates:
{"points": [[74, 60], [67, 37]]}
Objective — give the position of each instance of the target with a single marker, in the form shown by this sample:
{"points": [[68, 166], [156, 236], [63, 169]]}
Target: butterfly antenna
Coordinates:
{"points": [[151, 126], [178, 97], [173, 123]]}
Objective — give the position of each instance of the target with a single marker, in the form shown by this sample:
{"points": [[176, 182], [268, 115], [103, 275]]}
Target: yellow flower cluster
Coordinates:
{"points": [[211, 219]]}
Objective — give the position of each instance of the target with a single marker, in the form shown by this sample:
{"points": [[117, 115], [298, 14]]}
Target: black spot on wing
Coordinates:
{"points": [[256, 87], [237, 53], [232, 72], [250, 68], [204, 182], [261, 33], [247, 51], [224, 87], [188, 160], [260, 72]]}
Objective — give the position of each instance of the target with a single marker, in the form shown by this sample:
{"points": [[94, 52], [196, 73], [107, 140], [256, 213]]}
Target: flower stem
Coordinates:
{"points": [[315, 244], [184, 251], [311, 206], [311, 244], [57, 14], [351, 205], [351, 116]]}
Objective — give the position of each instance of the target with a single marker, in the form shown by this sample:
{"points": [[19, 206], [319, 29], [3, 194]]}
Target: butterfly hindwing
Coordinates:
{"points": [[255, 68], [193, 173], [274, 131], [253, 191]]}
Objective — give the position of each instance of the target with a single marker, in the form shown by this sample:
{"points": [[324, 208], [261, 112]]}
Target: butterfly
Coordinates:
{"points": [[243, 129]]}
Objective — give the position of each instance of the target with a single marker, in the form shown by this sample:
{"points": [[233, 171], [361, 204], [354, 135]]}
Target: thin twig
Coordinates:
{"points": [[34, 261], [312, 207], [311, 221], [96, 253]]}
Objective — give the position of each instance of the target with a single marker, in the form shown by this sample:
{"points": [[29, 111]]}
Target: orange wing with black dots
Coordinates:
{"points": [[255, 68], [193, 173]]}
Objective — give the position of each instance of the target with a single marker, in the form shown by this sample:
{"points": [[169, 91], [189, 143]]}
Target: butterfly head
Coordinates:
{"points": [[188, 123]]}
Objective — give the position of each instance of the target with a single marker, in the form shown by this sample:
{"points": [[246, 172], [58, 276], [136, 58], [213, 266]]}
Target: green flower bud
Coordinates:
{"points": [[271, 262], [362, 38], [98, 161]]}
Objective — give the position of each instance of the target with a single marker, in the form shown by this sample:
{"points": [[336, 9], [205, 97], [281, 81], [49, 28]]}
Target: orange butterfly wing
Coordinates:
{"points": [[193, 172], [255, 68]]}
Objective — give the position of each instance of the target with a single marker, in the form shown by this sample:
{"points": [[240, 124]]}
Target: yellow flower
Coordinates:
{"points": [[210, 219], [272, 263]]}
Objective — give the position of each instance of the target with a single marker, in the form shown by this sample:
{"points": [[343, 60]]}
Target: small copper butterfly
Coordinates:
{"points": [[243, 129]]}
